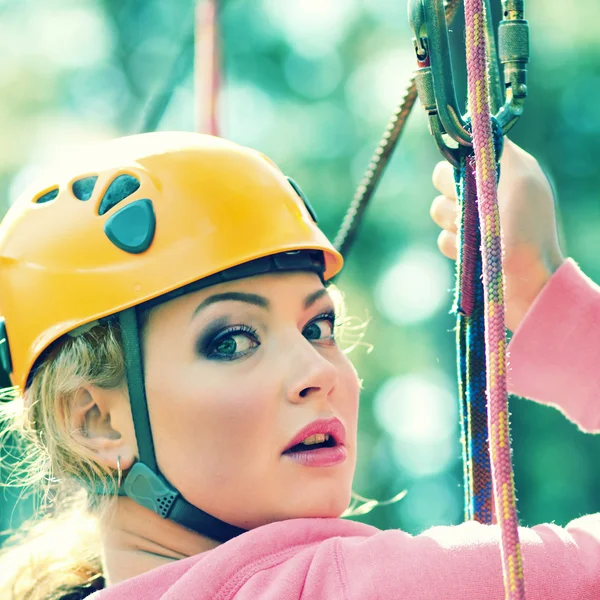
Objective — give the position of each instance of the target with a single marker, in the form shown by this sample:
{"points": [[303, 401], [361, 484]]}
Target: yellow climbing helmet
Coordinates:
{"points": [[135, 219]]}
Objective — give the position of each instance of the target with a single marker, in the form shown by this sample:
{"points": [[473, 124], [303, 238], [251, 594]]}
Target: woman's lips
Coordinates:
{"points": [[320, 457], [328, 456], [332, 427]]}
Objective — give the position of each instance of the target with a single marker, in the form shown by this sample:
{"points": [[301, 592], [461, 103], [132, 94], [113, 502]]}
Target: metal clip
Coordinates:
{"points": [[435, 80]]}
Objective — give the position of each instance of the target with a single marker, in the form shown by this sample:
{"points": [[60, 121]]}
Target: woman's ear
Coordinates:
{"points": [[100, 422]]}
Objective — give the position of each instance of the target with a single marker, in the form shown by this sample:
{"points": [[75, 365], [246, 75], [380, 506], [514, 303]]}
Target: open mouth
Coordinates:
{"points": [[314, 442], [321, 443]]}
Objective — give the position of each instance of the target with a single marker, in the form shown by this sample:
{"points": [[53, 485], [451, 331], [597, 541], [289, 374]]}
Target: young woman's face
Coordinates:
{"points": [[233, 374]]}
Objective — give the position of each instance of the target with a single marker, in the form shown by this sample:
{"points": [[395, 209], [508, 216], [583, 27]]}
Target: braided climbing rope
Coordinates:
{"points": [[493, 288], [469, 308], [379, 161]]}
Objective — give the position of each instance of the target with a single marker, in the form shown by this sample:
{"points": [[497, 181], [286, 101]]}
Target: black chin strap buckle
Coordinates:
{"points": [[149, 489]]}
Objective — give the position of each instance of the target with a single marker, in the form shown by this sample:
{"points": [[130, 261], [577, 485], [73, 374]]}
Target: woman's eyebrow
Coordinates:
{"points": [[254, 299], [312, 298]]}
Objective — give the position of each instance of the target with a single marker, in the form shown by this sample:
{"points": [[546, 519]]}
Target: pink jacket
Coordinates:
{"points": [[555, 358]]}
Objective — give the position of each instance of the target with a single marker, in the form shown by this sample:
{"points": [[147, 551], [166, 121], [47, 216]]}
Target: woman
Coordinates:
{"points": [[167, 316]]}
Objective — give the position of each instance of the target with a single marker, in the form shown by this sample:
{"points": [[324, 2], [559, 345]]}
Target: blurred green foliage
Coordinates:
{"points": [[312, 83]]}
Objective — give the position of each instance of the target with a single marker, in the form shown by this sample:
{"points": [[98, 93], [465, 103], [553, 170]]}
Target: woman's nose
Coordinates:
{"points": [[311, 374]]}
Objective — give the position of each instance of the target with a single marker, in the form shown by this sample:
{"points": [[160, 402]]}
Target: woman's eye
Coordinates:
{"points": [[232, 345], [320, 328], [235, 344]]}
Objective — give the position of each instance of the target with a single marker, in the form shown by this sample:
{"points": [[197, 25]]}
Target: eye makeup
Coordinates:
{"points": [[223, 339]]}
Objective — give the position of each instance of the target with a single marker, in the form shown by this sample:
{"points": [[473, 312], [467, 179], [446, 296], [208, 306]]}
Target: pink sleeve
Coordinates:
{"points": [[555, 352], [445, 563]]}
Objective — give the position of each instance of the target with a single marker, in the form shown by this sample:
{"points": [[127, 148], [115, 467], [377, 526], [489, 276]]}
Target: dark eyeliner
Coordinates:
{"points": [[330, 316], [211, 339], [208, 335], [327, 316]]}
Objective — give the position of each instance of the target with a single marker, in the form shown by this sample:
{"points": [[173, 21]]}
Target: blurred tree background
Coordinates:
{"points": [[312, 84]]}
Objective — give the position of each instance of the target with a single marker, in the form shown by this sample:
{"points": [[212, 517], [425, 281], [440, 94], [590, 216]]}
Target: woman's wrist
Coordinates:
{"points": [[525, 282]]}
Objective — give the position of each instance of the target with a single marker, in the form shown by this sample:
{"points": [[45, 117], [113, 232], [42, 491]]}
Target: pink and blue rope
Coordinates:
{"points": [[493, 287]]}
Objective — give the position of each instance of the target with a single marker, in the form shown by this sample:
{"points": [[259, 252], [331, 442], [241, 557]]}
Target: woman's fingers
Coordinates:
{"points": [[444, 213], [447, 244], [443, 179], [444, 210]]}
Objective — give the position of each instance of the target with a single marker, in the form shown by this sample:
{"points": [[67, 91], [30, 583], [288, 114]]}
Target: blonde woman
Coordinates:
{"points": [[170, 331]]}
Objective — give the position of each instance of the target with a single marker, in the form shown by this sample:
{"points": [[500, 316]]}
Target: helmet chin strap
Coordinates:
{"points": [[144, 483]]}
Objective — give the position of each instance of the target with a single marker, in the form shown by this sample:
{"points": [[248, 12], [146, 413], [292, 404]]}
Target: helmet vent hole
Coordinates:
{"points": [[47, 197], [84, 188], [120, 188]]}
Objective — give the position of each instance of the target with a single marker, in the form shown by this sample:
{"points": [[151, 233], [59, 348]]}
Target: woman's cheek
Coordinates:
{"points": [[240, 413]]}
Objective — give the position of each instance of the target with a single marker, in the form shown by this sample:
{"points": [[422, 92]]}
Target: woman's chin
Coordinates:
{"points": [[319, 507], [324, 506]]}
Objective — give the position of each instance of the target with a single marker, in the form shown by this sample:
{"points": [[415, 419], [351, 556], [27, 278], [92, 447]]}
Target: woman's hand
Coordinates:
{"points": [[528, 219]]}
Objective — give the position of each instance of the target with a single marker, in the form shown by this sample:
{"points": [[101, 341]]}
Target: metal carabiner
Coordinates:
{"points": [[435, 80]]}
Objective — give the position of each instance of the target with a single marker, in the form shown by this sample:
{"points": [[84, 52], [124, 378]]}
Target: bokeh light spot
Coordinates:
{"points": [[419, 413], [415, 287]]}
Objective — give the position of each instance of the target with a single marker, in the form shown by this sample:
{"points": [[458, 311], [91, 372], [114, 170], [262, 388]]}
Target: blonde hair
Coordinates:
{"points": [[35, 428]]}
